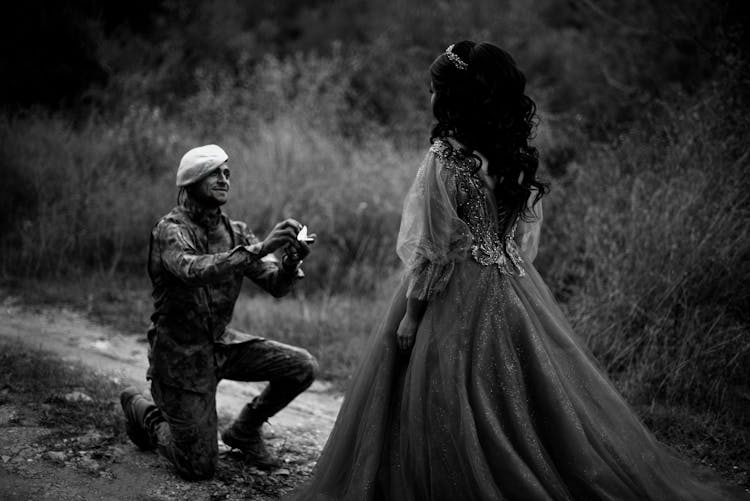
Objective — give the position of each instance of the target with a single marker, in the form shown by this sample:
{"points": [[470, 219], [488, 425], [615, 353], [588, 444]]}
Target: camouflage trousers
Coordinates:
{"points": [[188, 435]]}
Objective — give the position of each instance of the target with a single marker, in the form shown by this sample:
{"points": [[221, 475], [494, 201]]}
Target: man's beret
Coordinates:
{"points": [[198, 163]]}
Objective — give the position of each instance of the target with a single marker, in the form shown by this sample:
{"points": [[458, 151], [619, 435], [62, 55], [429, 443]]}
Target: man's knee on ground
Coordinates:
{"points": [[196, 468]]}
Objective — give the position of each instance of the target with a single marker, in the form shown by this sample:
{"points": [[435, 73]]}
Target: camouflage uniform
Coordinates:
{"points": [[196, 264]]}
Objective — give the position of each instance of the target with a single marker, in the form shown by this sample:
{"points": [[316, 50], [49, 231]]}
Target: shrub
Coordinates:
{"points": [[83, 196], [645, 242], [650, 249]]}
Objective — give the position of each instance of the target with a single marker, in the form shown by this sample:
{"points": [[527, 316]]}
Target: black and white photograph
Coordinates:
{"points": [[375, 250]]}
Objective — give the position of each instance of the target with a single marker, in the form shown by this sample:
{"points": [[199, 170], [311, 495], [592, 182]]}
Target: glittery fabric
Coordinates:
{"points": [[449, 212], [479, 211], [497, 400]]}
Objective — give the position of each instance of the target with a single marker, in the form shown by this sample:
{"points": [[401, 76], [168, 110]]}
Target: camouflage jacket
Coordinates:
{"points": [[197, 260]]}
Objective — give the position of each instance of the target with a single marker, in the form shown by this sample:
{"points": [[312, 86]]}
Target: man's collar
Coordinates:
{"points": [[208, 217]]}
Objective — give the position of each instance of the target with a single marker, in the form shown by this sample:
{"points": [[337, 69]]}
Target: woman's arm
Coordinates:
{"points": [[527, 233], [432, 237]]}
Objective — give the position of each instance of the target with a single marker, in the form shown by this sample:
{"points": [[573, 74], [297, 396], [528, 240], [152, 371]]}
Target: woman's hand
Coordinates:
{"points": [[406, 332]]}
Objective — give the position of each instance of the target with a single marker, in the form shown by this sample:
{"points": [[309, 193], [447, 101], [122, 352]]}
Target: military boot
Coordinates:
{"points": [[141, 418], [245, 434], [252, 446]]}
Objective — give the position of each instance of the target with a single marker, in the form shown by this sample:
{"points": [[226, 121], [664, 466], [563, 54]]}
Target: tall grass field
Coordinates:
{"points": [[646, 240]]}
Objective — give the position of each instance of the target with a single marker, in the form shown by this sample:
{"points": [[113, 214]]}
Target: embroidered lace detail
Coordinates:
{"points": [[489, 247]]}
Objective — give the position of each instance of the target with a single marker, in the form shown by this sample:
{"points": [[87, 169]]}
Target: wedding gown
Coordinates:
{"points": [[498, 400]]}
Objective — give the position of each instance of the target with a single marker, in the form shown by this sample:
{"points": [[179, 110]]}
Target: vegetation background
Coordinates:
{"points": [[322, 105]]}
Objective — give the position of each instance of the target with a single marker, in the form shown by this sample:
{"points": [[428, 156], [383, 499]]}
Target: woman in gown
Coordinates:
{"points": [[474, 387]]}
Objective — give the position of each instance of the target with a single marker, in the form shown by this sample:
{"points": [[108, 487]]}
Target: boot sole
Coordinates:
{"points": [[250, 458]]}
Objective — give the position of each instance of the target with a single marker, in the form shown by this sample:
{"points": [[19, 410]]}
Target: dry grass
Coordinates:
{"points": [[333, 327], [652, 237], [82, 199], [646, 240]]}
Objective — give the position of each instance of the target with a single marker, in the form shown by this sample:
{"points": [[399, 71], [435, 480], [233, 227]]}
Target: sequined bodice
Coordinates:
{"points": [[477, 208]]}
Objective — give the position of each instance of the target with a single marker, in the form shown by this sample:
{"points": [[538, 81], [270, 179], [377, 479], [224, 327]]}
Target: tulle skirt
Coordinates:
{"points": [[497, 401]]}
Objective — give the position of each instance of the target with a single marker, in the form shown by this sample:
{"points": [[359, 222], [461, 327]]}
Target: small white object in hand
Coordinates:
{"points": [[302, 236]]}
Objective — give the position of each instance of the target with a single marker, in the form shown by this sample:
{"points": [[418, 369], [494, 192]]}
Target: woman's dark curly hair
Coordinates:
{"points": [[483, 107]]}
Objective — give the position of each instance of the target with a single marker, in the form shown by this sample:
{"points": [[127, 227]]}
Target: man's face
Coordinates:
{"points": [[213, 190]]}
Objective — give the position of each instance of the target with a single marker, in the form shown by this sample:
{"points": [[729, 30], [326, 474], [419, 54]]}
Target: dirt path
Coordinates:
{"points": [[29, 471]]}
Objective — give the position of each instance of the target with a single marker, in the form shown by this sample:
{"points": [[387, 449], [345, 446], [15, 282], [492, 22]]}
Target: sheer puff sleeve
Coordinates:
{"points": [[432, 236], [528, 231]]}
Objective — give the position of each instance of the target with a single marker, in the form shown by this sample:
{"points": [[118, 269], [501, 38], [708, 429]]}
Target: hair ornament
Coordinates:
{"points": [[457, 61]]}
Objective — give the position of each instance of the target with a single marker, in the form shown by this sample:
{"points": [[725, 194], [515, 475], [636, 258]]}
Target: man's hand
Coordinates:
{"points": [[294, 254], [297, 251], [284, 233], [406, 332]]}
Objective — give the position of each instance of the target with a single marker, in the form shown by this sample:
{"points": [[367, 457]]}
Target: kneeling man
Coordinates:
{"points": [[197, 260]]}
